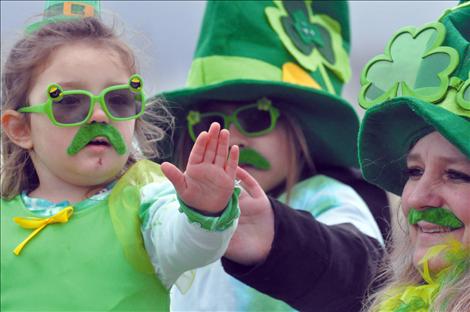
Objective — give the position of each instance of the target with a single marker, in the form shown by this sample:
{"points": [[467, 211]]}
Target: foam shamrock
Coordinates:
{"points": [[463, 97], [414, 64], [314, 40]]}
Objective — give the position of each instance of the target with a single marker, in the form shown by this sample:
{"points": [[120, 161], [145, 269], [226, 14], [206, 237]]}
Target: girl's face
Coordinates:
{"points": [[439, 176], [273, 147], [85, 67]]}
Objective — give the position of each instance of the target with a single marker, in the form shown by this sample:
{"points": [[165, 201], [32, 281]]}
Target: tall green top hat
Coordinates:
{"points": [[293, 52], [56, 11], [419, 85]]}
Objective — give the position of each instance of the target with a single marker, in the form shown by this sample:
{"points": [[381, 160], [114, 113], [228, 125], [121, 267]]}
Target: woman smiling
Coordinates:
{"points": [[415, 142]]}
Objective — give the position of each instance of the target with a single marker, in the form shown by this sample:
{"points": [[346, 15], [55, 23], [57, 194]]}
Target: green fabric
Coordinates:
{"points": [[54, 11], [221, 223], [242, 28], [124, 199], [313, 39], [217, 68], [390, 129], [329, 123], [241, 57], [78, 266], [463, 97], [435, 215], [87, 132]]}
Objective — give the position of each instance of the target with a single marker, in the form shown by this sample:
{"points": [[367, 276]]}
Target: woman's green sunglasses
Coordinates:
{"points": [[72, 108], [251, 120]]}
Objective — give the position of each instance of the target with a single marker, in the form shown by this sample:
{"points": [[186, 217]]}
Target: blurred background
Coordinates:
{"points": [[165, 32]]}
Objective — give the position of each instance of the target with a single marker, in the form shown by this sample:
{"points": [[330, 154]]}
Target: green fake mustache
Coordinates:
{"points": [[436, 215], [251, 157], [88, 132]]}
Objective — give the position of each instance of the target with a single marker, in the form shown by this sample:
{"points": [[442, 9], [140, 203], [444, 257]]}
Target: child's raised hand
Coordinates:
{"points": [[208, 182], [253, 238]]}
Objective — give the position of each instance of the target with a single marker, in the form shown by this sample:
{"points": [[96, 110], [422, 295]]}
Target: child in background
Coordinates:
{"points": [[271, 72], [84, 225]]}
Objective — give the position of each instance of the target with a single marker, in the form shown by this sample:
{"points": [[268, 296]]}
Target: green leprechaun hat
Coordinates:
{"points": [[295, 53], [419, 85], [56, 11]]}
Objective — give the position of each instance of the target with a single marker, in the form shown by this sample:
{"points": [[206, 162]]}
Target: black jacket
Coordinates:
{"points": [[313, 266]]}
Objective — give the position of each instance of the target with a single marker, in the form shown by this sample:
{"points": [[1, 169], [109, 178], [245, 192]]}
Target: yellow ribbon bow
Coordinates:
{"points": [[38, 224]]}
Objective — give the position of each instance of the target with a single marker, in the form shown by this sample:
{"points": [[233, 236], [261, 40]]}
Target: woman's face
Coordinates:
{"points": [[439, 176]]}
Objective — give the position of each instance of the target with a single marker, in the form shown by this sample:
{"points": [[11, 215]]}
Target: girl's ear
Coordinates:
{"points": [[17, 128]]}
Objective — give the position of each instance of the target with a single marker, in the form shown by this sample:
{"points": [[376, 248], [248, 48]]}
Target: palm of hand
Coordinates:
{"points": [[208, 182], [253, 212], [252, 240], [207, 186]]}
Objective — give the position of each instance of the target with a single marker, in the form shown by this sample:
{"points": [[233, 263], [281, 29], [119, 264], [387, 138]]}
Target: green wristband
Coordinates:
{"points": [[220, 223]]}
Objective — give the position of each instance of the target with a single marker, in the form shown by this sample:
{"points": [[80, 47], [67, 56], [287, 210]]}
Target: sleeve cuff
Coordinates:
{"points": [[220, 223]]}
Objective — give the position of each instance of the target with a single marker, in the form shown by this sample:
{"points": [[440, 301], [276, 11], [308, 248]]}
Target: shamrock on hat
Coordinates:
{"points": [[294, 53], [419, 85]]}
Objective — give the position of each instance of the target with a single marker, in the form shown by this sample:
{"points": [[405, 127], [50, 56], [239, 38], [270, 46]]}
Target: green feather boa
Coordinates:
{"points": [[419, 298]]}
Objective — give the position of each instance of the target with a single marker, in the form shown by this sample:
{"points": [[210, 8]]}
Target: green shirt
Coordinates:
{"points": [[116, 252], [78, 265]]}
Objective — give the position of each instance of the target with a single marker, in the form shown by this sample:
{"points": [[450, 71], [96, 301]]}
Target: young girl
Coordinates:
{"points": [[282, 109], [84, 226]]}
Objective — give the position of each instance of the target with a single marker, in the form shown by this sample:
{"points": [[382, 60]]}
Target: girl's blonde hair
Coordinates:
{"points": [[18, 75], [398, 271], [300, 159]]}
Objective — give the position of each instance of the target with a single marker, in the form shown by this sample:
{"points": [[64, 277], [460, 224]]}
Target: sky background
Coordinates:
{"points": [[165, 33]]}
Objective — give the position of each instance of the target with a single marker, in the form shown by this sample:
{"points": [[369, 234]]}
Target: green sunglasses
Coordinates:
{"points": [[72, 108], [251, 120]]}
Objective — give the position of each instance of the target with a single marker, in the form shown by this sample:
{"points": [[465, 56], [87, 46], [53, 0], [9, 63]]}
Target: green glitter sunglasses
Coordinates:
{"points": [[72, 108], [251, 120]]}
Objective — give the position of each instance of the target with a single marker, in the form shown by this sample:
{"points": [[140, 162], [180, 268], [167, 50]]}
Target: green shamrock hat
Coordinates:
{"points": [[295, 53], [419, 85], [56, 11]]}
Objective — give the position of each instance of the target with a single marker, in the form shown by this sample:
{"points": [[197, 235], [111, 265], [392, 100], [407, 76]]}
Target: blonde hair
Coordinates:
{"points": [[398, 271], [300, 159], [32, 51]]}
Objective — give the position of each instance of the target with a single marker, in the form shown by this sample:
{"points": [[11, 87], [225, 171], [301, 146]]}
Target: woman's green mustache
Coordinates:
{"points": [[251, 157], [435, 215], [88, 132]]}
